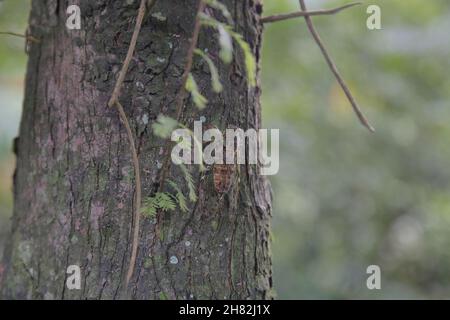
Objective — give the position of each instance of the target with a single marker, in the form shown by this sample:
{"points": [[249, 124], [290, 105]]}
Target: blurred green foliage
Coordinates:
{"points": [[344, 199], [13, 17]]}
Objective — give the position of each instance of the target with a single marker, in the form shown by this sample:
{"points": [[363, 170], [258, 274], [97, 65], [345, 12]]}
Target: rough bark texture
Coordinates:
{"points": [[74, 182]]}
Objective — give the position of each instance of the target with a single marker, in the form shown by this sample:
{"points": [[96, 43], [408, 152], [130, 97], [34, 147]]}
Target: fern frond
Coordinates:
{"points": [[250, 62], [217, 86], [191, 86], [197, 144], [222, 8], [164, 202], [179, 196], [225, 34], [164, 126], [148, 207], [226, 44], [190, 183], [161, 200]]}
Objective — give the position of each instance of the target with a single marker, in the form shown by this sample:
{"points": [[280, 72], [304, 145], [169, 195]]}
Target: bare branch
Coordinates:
{"points": [[114, 101], [282, 17], [138, 195], [131, 48], [29, 38], [334, 69]]}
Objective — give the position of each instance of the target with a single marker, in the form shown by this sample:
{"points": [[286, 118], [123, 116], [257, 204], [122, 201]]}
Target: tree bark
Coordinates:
{"points": [[74, 182]]}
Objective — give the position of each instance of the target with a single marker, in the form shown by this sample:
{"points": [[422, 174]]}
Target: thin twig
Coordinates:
{"points": [[179, 99], [131, 48], [114, 101], [29, 38], [334, 69], [137, 205], [281, 17]]}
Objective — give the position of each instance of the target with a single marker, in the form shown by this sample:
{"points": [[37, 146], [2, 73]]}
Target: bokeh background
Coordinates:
{"points": [[344, 199]]}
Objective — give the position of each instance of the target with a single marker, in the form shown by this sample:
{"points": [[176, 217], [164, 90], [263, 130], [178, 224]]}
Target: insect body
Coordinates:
{"points": [[223, 176]]}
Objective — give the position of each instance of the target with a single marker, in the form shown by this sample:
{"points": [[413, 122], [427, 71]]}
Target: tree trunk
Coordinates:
{"points": [[74, 183]]}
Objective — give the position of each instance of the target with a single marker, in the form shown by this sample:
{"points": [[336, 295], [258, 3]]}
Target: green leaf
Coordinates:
{"points": [[164, 201], [208, 21], [162, 296], [197, 144], [164, 126], [250, 62], [217, 86], [190, 183], [222, 8], [149, 208], [191, 86], [160, 200], [226, 44], [225, 40], [179, 197]]}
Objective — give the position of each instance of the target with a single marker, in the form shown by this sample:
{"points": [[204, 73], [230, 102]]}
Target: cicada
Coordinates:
{"points": [[223, 175]]}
